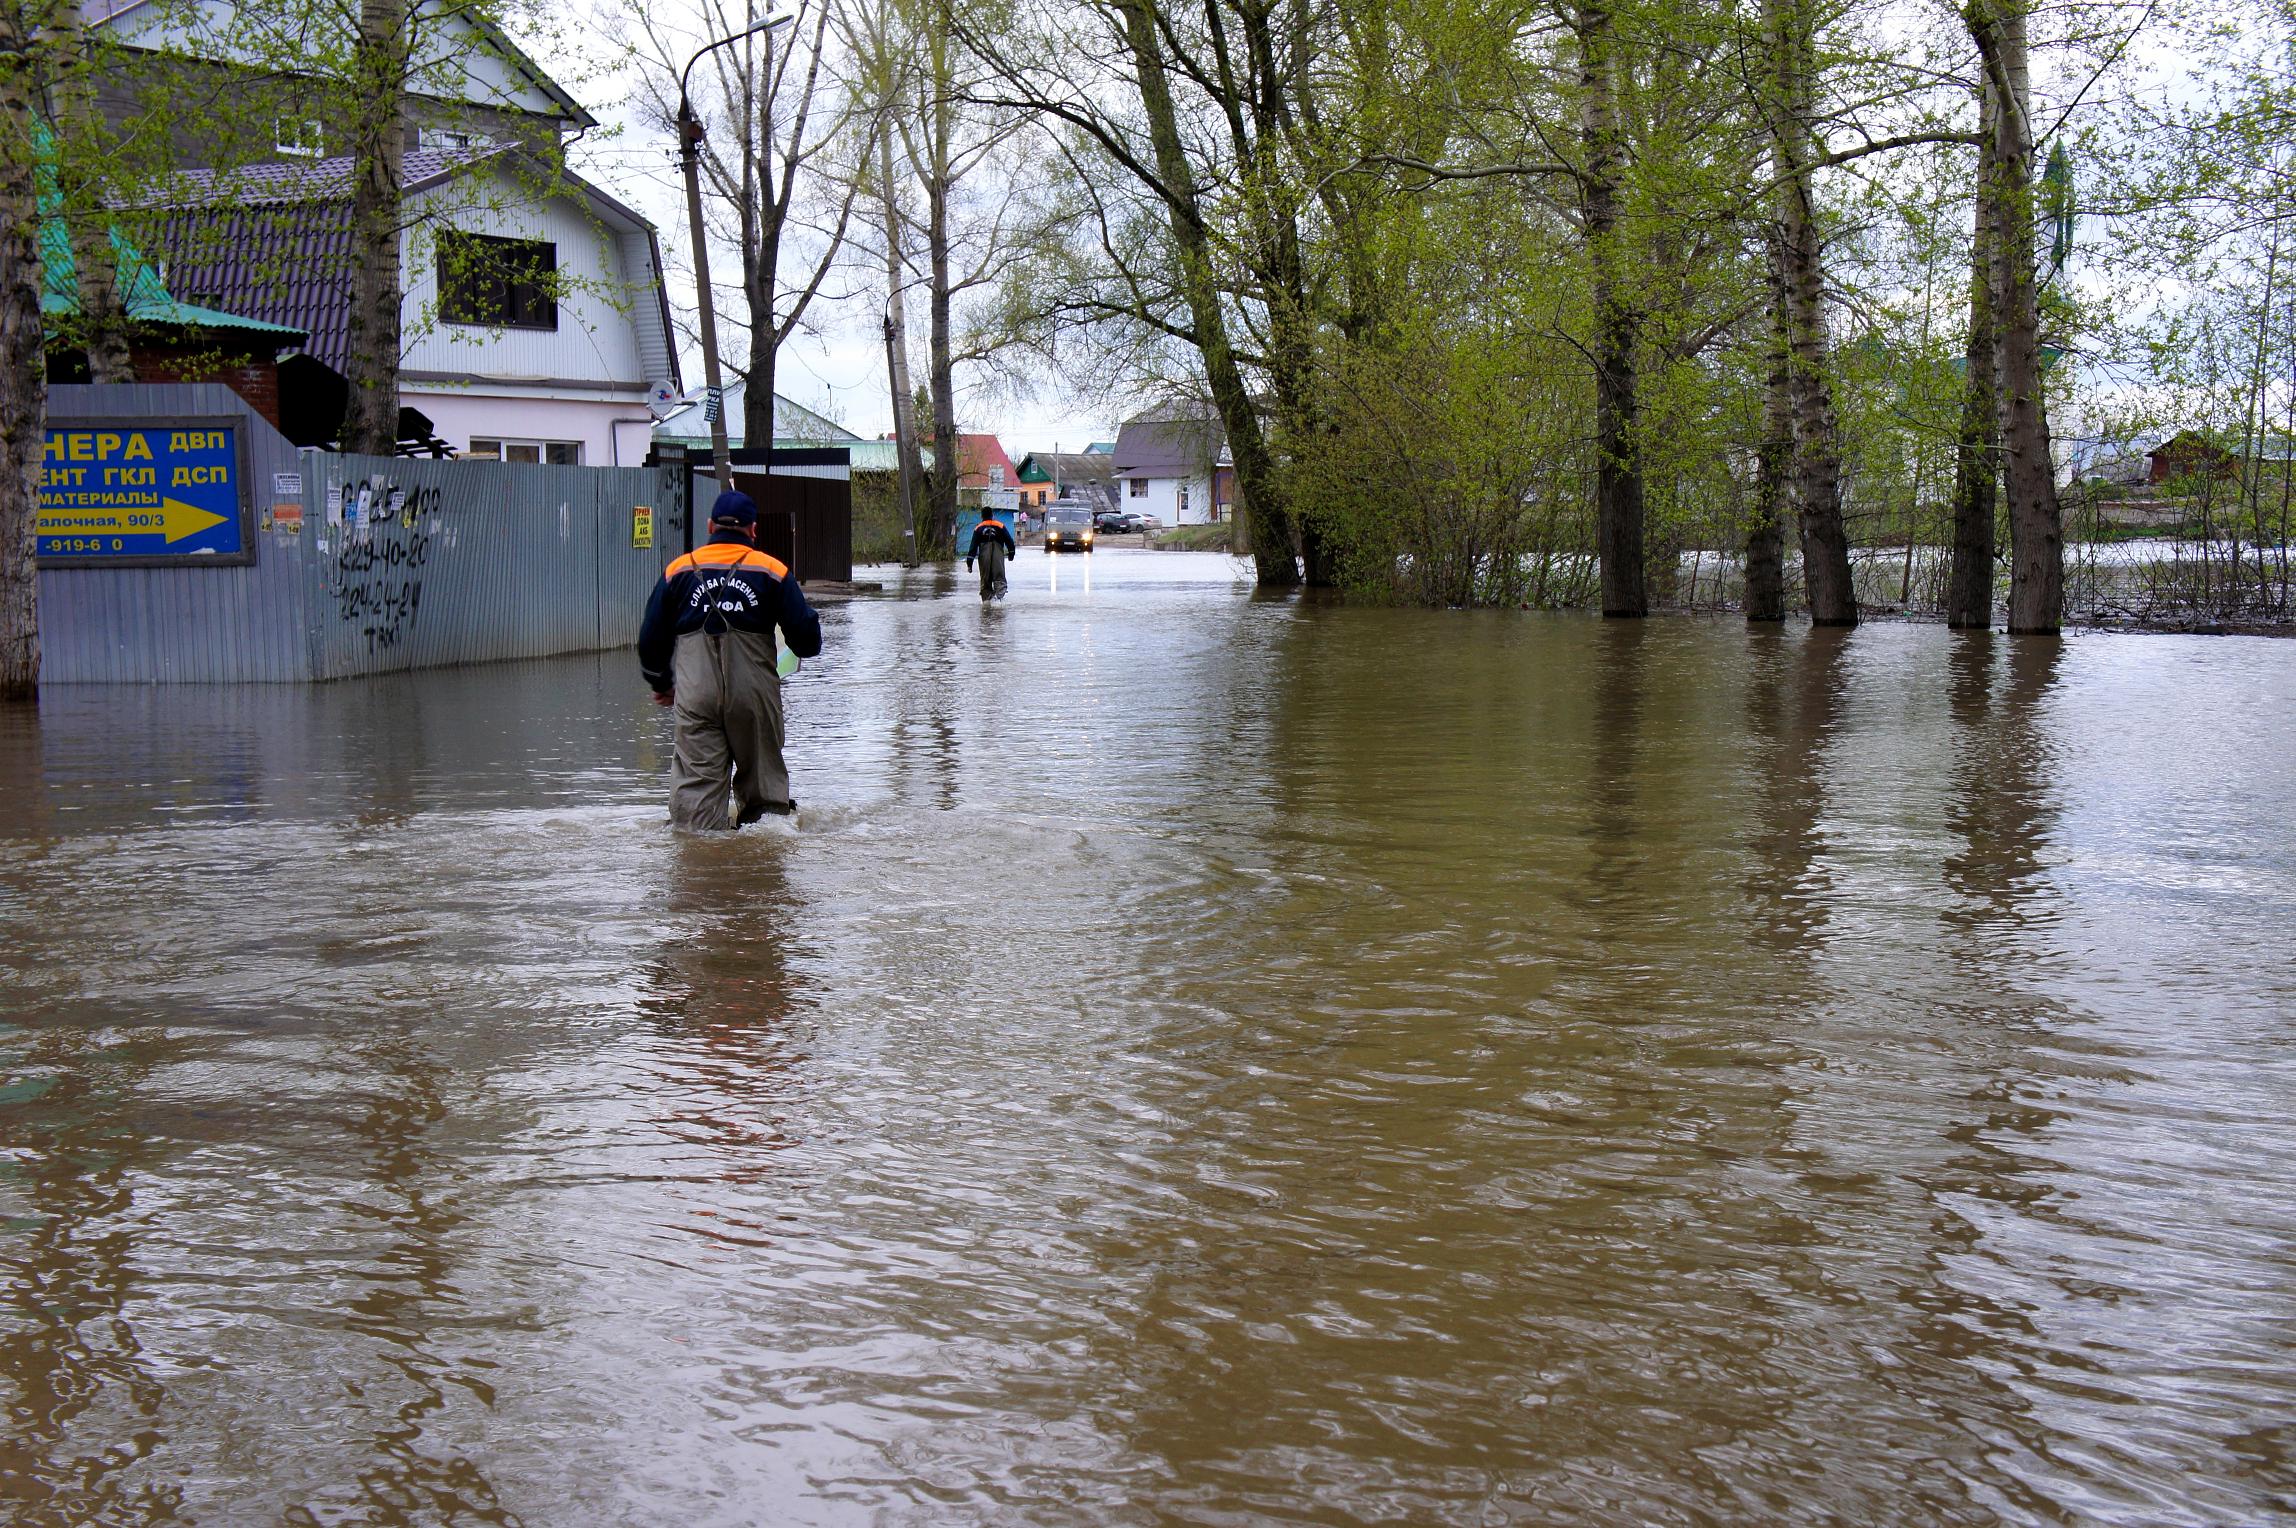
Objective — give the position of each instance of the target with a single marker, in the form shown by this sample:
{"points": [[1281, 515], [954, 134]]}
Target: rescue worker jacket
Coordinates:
{"points": [[727, 584], [990, 530]]}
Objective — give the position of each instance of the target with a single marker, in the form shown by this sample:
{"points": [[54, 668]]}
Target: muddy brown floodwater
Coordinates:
{"points": [[1203, 1060]]}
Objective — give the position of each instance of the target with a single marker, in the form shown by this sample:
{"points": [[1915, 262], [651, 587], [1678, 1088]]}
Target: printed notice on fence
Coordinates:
{"points": [[116, 490]]}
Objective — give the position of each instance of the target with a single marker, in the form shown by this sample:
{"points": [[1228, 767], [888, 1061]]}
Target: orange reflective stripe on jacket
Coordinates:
{"points": [[726, 554]]}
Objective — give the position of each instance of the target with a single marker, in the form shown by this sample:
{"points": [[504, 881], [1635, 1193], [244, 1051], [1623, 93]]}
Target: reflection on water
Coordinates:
{"points": [[1202, 1058]]}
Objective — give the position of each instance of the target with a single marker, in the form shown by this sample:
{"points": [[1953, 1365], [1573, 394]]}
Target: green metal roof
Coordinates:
{"points": [[145, 296]]}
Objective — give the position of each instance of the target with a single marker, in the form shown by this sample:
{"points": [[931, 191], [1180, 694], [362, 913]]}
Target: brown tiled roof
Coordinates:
{"points": [[273, 241], [288, 265]]}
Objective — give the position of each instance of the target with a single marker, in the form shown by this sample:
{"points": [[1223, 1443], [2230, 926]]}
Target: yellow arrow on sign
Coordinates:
{"points": [[171, 518]]}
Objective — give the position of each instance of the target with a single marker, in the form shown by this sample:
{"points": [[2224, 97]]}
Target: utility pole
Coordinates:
{"points": [[690, 137], [897, 349]]}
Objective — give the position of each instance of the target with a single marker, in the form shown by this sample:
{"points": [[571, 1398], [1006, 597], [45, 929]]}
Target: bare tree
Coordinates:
{"points": [[778, 117]]}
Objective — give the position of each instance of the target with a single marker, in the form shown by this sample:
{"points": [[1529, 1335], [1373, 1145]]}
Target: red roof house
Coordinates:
{"points": [[982, 463]]}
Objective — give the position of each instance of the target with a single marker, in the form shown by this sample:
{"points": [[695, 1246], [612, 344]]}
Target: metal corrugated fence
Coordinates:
{"points": [[398, 564]]}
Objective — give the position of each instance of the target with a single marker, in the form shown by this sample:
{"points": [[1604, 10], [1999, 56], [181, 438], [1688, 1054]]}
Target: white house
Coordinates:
{"points": [[535, 320], [687, 424], [507, 369], [1175, 468]]}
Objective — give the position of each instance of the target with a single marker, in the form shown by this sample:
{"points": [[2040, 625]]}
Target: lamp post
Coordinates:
{"points": [[689, 153]]}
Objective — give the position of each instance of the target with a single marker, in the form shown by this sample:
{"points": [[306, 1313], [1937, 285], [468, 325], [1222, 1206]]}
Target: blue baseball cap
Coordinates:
{"points": [[733, 507]]}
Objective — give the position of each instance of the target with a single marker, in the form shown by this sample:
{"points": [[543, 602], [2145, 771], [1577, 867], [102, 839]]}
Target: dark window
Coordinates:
{"points": [[499, 283]]}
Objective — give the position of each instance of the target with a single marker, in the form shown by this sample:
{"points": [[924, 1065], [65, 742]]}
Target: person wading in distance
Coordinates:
{"points": [[992, 544], [707, 648]]}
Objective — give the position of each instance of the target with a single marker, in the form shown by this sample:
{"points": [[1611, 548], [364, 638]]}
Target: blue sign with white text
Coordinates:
{"points": [[132, 488]]}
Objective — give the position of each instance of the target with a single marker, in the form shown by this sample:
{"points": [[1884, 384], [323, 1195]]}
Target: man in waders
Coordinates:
{"points": [[707, 648], [992, 544]]}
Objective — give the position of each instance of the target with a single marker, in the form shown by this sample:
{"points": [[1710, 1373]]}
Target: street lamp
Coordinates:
{"points": [[689, 151]]}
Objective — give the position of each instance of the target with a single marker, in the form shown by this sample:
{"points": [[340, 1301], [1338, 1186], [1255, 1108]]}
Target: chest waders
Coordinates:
{"points": [[729, 767], [992, 556]]}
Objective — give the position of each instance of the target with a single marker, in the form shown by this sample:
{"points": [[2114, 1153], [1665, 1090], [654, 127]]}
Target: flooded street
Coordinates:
{"points": [[1202, 1059]]}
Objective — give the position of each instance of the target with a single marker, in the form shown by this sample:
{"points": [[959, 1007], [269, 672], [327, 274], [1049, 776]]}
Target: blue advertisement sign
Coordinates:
{"points": [[144, 491]]}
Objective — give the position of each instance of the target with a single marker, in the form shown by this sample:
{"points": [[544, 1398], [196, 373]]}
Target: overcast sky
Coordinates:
{"points": [[838, 370]]}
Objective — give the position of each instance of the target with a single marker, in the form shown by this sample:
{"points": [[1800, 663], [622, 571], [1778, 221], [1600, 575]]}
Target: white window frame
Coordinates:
{"points": [[499, 448], [450, 138], [310, 144]]}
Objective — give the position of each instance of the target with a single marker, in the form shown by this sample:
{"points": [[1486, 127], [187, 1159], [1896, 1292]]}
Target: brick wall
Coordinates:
{"points": [[253, 377]]}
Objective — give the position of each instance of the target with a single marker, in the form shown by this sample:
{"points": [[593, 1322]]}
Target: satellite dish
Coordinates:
{"points": [[661, 395]]}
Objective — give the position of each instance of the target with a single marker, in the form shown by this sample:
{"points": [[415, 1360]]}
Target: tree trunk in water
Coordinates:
{"points": [[1765, 543], [1260, 501], [1618, 512], [378, 144], [1969, 576], [23, 367], [2036, 529], [1817, 448], [1291, 364], [1817, 445]]}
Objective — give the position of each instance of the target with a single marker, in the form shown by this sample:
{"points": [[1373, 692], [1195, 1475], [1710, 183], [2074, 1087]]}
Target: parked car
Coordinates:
{"points": [[1109, 522], [1067, 528]]}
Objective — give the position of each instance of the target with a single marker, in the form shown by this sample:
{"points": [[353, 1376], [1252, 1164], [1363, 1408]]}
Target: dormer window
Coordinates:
{"points": [[302, 137]]}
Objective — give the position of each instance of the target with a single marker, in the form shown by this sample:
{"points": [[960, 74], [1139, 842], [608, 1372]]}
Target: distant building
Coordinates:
{"points": [[686, 423], [983, 467], [1085, 475], [1176, 467], [2205, 453]]}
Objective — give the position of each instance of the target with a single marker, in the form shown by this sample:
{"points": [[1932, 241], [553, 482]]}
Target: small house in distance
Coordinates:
{"points": [[982, 464], [2194, 454], [1083, 475], [687, 423], [1176, 467]]}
